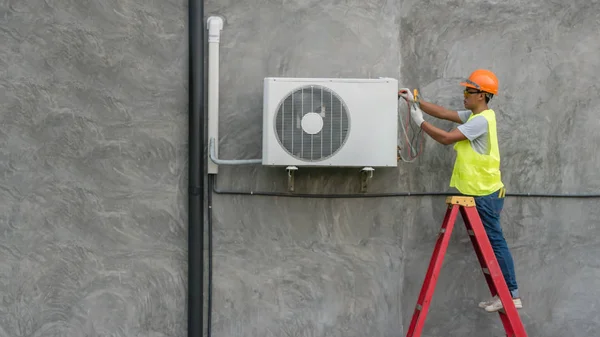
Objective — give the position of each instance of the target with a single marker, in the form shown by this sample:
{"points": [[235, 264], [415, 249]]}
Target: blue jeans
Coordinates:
{"points": [[489, 208]]}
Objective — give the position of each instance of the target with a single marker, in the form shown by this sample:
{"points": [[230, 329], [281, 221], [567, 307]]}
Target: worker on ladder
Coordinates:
{"points": [[477, 167]]}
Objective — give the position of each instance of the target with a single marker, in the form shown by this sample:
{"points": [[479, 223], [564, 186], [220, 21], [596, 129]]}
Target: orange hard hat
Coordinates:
{"points": [[483, 80]]}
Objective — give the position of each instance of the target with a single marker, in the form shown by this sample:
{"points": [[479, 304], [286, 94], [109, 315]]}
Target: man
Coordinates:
{"points": [[477, 167]]}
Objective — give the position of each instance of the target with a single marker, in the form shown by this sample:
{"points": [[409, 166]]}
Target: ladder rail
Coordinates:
{"points": [[431, 277], [494, 277]]}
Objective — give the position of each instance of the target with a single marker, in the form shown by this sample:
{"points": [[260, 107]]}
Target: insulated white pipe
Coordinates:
{"points": [[214, 25]]}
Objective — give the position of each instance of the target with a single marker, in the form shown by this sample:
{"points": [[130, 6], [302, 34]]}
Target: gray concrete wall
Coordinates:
{"points": [[93, 165], [93, 159]]}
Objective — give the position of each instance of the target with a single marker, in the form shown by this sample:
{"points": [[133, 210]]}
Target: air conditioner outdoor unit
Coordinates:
{"points": [[337, 122]]}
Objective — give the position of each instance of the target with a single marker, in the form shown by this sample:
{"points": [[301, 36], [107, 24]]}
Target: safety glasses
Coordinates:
{"points": [[467, 93]]}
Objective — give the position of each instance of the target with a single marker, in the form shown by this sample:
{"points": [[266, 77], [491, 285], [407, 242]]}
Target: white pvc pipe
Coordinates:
{"points": [[213, 157], [214, 25]]}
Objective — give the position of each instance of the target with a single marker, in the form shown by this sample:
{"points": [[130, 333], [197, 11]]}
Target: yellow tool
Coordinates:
{"points": [[416, 96]]}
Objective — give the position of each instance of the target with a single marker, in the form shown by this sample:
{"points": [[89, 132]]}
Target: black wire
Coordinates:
{"points": [[382, 195], [210, 256]]}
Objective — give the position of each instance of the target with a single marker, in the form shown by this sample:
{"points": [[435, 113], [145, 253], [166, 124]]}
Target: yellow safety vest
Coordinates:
{"points": [[474, 173]]}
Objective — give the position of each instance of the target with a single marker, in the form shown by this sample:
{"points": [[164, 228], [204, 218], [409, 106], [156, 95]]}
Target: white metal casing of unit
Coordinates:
{"points": [[340, 122]]}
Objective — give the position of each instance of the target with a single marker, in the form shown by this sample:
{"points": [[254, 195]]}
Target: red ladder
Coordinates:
{"points": [[489, 265]]}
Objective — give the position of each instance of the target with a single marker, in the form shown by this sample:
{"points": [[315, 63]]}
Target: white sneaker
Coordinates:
{"points": [[497, 305], [484, 304]]}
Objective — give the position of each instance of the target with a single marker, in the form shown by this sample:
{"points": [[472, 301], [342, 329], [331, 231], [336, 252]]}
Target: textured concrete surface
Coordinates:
{"points": [[93, 164], [93, 159]]}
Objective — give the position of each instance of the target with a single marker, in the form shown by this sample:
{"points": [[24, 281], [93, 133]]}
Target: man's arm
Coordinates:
{"points": [[442, 136], [437, 134], [440, 112]]}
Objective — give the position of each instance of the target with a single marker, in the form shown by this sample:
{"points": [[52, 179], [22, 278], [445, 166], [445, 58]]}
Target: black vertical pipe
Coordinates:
{"points": [[196, 169]]}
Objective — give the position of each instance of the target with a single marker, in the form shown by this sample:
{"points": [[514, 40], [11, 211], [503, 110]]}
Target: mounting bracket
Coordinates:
{"points": [[365, 175], [291, 170]]}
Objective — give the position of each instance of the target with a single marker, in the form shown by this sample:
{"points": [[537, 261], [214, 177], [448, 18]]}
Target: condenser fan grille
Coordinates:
{"points": [[312, 123]]}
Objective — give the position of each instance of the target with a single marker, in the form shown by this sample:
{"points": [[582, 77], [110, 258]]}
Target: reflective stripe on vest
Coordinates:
{"points": [[474, 173]]}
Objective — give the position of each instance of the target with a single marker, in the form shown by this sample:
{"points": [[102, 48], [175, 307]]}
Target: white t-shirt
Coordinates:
{"points": [[476, 130]]}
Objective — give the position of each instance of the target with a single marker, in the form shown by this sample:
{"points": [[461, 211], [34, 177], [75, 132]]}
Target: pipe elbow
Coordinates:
{"points": [[214, 25]]}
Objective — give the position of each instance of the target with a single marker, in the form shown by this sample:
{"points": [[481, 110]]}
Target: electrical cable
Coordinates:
{"points": [[210, 256], [214, 188], [409, 143]]}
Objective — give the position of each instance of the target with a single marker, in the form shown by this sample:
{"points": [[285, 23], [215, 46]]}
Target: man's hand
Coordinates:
{"points": [[417, 115], [406, 94]]}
